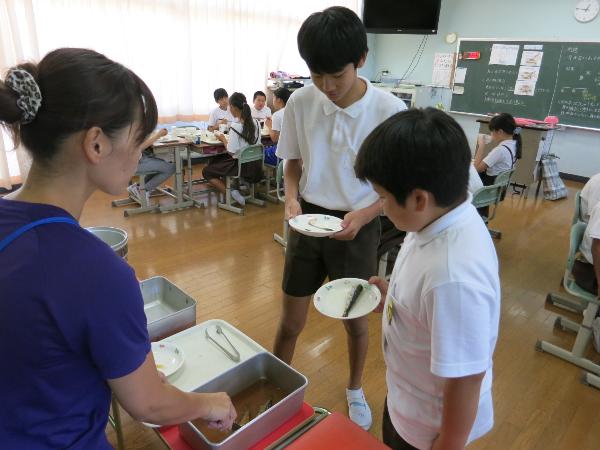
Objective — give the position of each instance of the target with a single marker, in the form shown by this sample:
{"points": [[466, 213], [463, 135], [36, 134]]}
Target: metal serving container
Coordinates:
{"points": [[261, 366], [115, 237], [168, 309]]}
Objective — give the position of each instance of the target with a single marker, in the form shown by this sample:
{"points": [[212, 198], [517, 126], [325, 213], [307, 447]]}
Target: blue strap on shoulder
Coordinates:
{"points": [[25, 228]]}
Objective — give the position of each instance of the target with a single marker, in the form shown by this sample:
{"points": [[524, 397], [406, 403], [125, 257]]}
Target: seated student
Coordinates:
{"points": [[505, 134], [590, 196], [221, 114], [280, 98], [244, 132], [149, 163], [259, 110], [441, 308], [587, 273]]}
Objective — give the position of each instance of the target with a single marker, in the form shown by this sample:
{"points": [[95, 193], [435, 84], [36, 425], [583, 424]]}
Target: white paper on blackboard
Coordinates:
{"points": [[530, 58], [458, 90], [525, 88], [504, 55], [528, 73]]}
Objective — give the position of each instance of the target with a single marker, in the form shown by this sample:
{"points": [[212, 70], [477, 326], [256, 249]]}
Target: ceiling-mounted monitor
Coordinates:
{"points": [[401, 16]]}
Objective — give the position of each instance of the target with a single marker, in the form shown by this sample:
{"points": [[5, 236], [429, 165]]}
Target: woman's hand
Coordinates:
{"points": [[221, 411], [269, 122], [221, 137], [382, 285], [292, 208]]}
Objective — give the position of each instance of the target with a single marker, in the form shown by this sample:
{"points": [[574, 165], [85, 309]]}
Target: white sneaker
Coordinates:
{"points": [[134, 192], [358, 408], [238, 197]]}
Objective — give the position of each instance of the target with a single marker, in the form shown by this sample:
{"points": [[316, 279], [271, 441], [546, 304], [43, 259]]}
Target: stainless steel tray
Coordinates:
{"points": [[260, 366], [168, 309]]}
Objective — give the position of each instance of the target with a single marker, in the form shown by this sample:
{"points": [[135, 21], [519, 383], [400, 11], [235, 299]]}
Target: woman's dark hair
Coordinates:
{"points": [[248, 133], [80, 89], [282, 94], [257, 94], [219, 94], [506, 123], [417, 149], [331, 39]]}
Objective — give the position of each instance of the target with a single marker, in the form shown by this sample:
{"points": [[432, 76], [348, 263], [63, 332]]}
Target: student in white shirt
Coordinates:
{"points": [[507, 137], [280, 98], [244, 132], [221, 115], [475, 182], [260, 110], [590, 196], [587, 273], [323, 126], [442, 304]]}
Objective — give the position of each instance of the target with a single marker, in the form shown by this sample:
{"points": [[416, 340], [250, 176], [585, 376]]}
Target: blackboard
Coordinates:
{"points": [[567, 85]]}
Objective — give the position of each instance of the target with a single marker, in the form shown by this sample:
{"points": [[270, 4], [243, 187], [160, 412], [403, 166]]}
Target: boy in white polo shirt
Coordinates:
{"points": [[221, 114], [323, 127], [442, 305]]}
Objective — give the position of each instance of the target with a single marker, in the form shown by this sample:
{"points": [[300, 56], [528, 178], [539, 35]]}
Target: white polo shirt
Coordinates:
{"points": [[235, 142], [590, 196], [277, 120], [501, 158], [261, 114], [218, 114], [475, 182], [440, 321], [592, 231], [327, 139]]}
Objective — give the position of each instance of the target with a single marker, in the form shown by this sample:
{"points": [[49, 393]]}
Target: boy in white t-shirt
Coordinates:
{"points": [[221, 115], [442, 304], [323, 127], [259, 109], [280, 98]]}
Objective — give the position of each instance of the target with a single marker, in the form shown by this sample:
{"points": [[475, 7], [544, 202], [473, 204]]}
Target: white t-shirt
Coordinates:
{"points": [[235, 142], [500, 159], [592, 231], [475, 182], [261, 114], [445, 292], [218, 114], [590, 196], [277, 120], [327, 139]]}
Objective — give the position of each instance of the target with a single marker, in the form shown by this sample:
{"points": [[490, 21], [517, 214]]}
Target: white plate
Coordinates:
{"points": [[313, 224], [168, 357], [332, 298]]}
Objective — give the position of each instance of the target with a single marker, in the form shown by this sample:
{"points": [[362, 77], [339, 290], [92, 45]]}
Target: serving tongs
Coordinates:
{"points": [[235, 355]]}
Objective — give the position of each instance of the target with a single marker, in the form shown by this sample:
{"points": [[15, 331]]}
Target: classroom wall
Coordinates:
{"points": [[518, 19]]}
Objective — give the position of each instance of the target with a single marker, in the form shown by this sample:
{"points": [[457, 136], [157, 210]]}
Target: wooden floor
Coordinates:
{"points": [[232, 267]]}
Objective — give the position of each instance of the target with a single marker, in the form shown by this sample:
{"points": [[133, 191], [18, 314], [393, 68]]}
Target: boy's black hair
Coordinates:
{"points": [[257, 93], [219, 94], [417, 149], [331, 39], [283, 94], [507, 123]]}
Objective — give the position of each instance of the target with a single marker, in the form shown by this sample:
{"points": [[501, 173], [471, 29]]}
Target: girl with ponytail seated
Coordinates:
{"points": [[505, 134], [243, 133]]}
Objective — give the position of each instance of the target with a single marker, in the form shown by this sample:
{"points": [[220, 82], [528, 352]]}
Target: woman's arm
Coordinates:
{"points": [[146, 398], [274, 135]]}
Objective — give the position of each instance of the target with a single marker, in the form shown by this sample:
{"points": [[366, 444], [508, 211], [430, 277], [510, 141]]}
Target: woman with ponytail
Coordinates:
{"points": [[72, 322], [244, 132], [505, 134]]}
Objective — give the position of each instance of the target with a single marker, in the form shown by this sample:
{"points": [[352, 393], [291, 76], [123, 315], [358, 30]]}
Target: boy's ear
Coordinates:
{"points": [[362, 60], [422, 200]]}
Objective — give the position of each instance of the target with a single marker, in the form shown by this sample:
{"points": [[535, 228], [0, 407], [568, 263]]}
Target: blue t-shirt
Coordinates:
{"points": [[71, 317]]}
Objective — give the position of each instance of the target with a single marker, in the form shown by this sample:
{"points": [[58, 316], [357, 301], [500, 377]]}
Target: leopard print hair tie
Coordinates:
{"points": [[30, 97]]}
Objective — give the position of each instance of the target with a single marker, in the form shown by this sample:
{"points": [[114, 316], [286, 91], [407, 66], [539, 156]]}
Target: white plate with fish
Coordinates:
{"points": [[168, 357], [316, 225], [346, 298]]}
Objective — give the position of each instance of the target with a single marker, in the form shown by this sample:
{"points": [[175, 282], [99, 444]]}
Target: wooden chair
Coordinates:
{"points": [[491, 196], [583, 330], [248, 155], [281, 239]]}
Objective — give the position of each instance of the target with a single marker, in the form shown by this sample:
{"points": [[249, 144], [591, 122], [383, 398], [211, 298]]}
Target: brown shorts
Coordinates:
{"points": [[309, 260]]}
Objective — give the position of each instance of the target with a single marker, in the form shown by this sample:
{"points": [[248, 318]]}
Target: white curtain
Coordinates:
{"points": [[183, 49]]}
